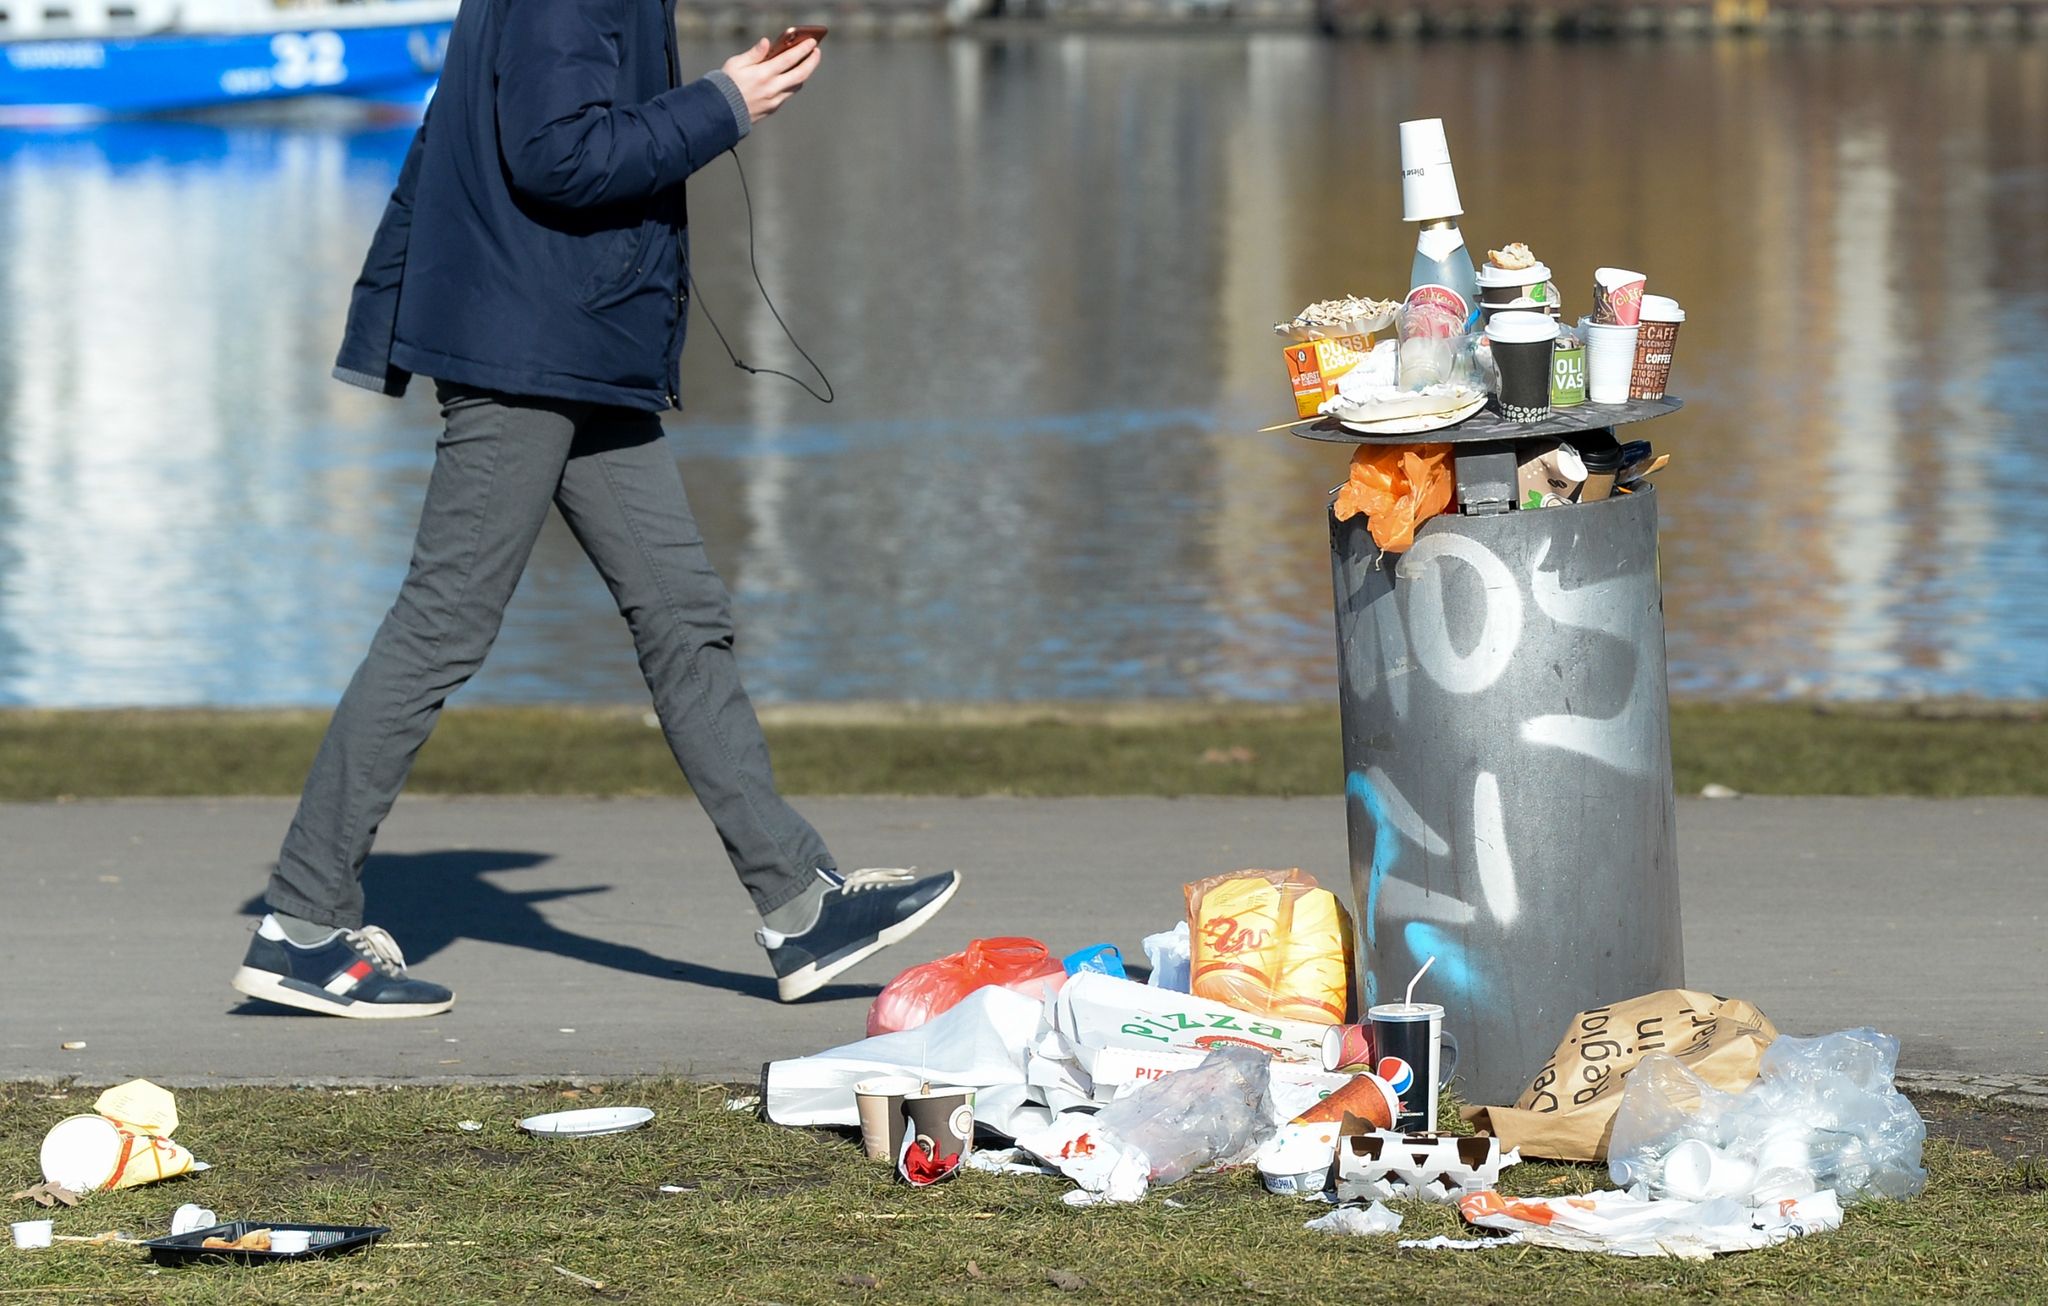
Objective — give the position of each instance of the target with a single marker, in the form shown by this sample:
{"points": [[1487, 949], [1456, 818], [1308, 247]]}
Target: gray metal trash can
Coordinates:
{"points": [[1508, 772]]}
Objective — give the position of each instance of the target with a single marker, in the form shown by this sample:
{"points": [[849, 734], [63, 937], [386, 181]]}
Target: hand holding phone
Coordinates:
{"points": [[771, 72], [786, 42]]}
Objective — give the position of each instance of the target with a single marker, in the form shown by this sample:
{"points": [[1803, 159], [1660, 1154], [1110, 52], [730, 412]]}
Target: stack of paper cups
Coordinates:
{"points": [[1610, 359]]}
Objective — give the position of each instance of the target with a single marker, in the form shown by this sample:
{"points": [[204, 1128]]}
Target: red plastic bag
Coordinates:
{"points": [[1398, 487], [924, 991]]}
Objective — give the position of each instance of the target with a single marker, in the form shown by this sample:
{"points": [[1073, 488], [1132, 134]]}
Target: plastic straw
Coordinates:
{"points": [[1409, 998]]}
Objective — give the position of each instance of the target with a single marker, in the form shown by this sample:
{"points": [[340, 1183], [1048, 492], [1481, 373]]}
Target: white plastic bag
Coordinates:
{"points": [[1822, 1114], [980, 1044], [1168, 953]]}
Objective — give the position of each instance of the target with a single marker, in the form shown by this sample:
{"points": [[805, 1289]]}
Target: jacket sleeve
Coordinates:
{"points": [[564, 140], [365, 357]]}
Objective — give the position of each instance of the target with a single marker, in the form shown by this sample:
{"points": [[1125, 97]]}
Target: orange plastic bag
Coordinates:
{"points": [[1270, 943], [1398, 487], [924, 991]]}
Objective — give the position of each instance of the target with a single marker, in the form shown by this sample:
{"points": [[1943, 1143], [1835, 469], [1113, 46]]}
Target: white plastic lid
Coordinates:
{"points": [[1661, 308], [1489, 275], [1513, 327], [1429, 189]]}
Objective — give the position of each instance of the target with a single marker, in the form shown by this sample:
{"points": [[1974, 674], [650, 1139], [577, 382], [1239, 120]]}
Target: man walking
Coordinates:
{"points": [[533, 261]]}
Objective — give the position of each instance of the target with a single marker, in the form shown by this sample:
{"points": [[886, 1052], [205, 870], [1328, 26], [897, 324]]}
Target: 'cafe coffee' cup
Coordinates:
{"points": [[1656, 340]]}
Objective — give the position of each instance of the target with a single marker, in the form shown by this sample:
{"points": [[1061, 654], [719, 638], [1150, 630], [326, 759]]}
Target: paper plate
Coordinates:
{"points": [[587, 1123], [1417, 424]]}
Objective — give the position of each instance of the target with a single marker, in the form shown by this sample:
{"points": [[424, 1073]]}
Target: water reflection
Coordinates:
{"points": [[1040, 273]]}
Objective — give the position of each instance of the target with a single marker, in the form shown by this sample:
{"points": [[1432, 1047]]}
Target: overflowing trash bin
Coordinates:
{"points": [[1507, 757]]}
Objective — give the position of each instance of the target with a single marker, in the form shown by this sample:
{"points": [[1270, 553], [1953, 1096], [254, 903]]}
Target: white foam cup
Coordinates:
{"points": [[290, 1242], [30, 1234], [1610, 360]]}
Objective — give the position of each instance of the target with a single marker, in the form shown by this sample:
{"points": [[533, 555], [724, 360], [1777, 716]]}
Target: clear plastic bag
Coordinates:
{"points": [[1206, 1115], [1195, 1118], [1822, 1114]]}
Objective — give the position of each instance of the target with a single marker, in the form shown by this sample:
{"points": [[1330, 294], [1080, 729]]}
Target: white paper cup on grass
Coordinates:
{"points": [[30, 1234], [1610, 360]]}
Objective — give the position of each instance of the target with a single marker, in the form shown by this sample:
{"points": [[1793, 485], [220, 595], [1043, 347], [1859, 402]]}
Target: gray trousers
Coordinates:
{"points": [[500, 462]]}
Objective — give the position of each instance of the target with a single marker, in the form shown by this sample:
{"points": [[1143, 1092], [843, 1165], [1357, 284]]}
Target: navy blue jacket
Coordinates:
{"points": [[537, 238]]}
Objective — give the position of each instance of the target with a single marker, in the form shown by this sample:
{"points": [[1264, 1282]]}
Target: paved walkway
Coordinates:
{"points": [[603, 938]]}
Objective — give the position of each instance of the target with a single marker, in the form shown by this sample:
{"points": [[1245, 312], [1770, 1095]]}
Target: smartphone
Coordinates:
{"points": [[790, 36]]}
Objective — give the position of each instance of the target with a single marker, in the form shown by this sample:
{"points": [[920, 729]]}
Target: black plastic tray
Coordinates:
{"points": [[1488, 426], [328, 1240]]}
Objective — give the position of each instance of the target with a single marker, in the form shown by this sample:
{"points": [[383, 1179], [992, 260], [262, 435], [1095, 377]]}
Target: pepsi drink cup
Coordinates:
{"points": [[1408, 1038]]}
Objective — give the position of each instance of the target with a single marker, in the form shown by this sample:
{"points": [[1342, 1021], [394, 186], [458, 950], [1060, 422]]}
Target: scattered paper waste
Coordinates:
{"points": [[1440, 1243], [1565, 1112], [470, 1126], [745, 1102], [1357, 1220], [674, 1188], [1095, 1011], [1008, 1160], [77, 1046], [1821, 1114], [1719, 791], [1630, 1224], [124, 1143], [1421, 1166], [192, 1216]]}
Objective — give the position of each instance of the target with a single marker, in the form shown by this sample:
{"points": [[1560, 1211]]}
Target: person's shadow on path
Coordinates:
{"points": [[429, 900]]}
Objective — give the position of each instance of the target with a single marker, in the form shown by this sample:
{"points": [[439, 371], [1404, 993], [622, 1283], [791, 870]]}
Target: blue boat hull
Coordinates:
{"points": [[54, 81]]}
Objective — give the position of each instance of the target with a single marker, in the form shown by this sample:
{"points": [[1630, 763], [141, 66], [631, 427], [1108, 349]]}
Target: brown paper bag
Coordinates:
{"points": [[1567, 1111]]}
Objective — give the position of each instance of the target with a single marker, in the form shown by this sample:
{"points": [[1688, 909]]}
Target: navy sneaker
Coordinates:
{"points": [[863, 913], [356, 973]]}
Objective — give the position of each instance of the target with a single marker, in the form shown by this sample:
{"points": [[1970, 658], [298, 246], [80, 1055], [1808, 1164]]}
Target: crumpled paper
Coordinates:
{"points": [[1630, 1223], [1357, 1220]]}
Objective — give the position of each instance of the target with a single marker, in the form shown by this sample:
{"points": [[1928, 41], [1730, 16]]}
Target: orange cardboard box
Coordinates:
{"points": [[1313, 367]]}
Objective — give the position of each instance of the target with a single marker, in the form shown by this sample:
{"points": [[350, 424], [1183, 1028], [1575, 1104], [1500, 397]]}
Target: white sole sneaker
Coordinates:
{"points": [[266, 987], [809, 979]]}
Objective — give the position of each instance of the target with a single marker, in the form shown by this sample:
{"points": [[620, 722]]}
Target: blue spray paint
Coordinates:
{"points": [[1386, 852], [1452, 968]]}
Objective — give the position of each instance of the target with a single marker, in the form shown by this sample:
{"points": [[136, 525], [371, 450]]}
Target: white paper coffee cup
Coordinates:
{"points": [[1429, 188]]}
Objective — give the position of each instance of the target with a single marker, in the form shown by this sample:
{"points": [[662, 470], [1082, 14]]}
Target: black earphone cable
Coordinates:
{"points": [[755, 268]]}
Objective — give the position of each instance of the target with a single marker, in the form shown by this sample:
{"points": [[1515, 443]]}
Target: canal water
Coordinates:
{"points": [[1042, 274]]}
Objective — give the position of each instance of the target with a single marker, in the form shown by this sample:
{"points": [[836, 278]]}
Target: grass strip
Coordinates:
{"points": [[793, 1216], [1170, 750]]}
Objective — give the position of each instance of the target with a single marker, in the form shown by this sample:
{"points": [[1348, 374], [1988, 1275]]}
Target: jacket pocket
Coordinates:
{"points": [[622, 261]]}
